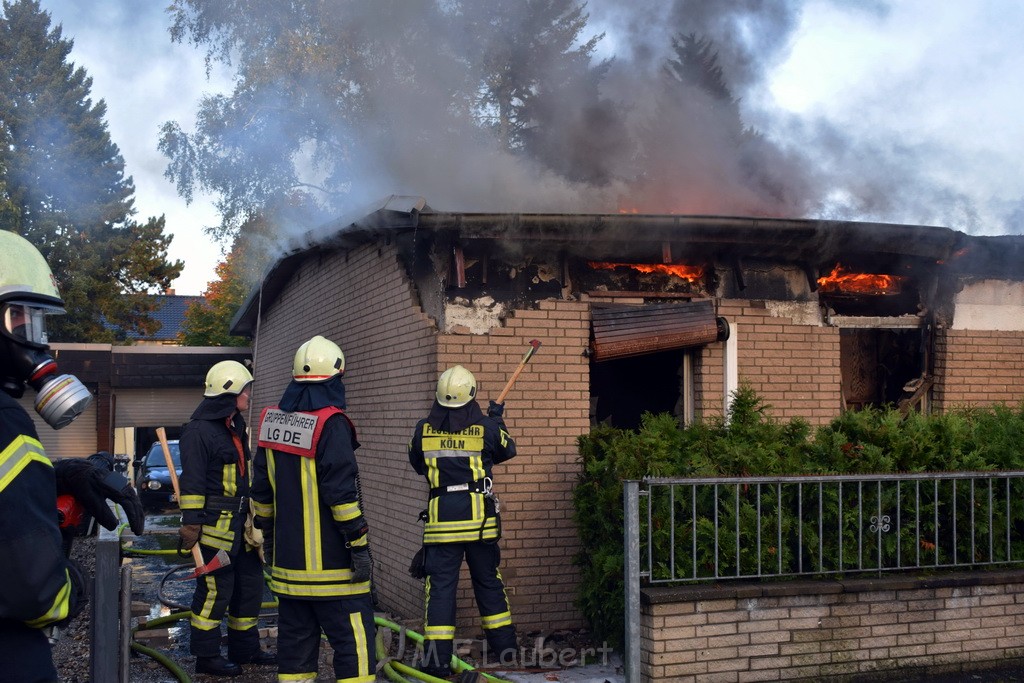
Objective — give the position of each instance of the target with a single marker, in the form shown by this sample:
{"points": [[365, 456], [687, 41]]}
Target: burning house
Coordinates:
{"points": [[636, 313]]}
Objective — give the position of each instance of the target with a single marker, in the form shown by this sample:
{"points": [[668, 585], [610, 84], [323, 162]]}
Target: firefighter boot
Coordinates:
{"points": [[217, 666]]}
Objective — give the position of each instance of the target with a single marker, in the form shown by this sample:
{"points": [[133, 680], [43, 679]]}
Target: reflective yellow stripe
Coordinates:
{"points": [[460, 524], [358, 679], [311, 514], [192, 502], [496, 620], [297, 677], [241, 623], [18, 454], [207, 609], [263, 509], [60, 607], [360, 542], [309, 575], [461, 537], [202, 623], [439, 632], [229, 479], [343, 512], [503, 436], [359, 633], [319, 591]]}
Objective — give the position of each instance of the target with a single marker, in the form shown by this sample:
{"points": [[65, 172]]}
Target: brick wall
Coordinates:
{"points": [[546, 410], [363, 302], [978, 367], [842, 630], [794, 368]]}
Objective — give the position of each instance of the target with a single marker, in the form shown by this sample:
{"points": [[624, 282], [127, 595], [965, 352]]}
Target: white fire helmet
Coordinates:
{"points": [[28, 295], [227, 377], [318, 360], [456, 387]]}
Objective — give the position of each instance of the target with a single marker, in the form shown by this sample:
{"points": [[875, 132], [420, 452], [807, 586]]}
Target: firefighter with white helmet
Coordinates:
{"points": [[41, 588], [306, 498], [215, 475], [455, 448]]}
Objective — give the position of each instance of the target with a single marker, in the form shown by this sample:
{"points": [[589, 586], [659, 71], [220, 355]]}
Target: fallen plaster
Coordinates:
{"points": [[478, 316]]}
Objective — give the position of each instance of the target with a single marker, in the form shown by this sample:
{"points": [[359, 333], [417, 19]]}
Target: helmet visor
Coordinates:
{"points": [[26, 322]]}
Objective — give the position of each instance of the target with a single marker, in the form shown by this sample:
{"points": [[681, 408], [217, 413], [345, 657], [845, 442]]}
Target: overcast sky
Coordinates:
{"points": [[918, 90]]}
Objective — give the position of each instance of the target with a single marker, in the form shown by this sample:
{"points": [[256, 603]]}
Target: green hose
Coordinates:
{"points": [[457, 664], [167, 662]]}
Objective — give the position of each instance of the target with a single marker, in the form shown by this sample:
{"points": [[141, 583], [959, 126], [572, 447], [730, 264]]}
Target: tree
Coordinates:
{"points": [[331, 94], [208, 323], [62, 186]]}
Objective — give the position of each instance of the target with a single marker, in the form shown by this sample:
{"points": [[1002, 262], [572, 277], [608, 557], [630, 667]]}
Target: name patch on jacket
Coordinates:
{"points": [[438, 444], [295, 433]]}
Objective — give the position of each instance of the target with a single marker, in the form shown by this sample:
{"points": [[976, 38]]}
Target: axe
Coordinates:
{"points": [[534, 345], [219, 560]]}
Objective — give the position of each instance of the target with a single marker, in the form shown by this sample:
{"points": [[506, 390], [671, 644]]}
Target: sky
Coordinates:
{"points": [[912, 105]]}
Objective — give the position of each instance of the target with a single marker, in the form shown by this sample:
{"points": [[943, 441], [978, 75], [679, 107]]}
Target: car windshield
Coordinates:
{"points": [[156, 455]]}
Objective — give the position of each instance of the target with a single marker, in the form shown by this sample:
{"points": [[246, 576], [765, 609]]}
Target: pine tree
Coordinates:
{"points": [[63, 187]]}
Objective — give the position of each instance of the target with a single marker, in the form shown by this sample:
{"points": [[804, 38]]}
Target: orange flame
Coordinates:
{"points": [[841, 279], [688, 273]]}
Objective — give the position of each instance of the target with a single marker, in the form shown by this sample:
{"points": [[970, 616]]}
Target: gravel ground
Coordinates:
{"points": [[156, 590]]}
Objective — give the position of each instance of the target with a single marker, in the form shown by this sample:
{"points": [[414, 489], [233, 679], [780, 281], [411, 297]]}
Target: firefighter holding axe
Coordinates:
{"points": [[214, 501], [455, 447]]}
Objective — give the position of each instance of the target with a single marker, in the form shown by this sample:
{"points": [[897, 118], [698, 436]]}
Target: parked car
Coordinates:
{"points": [[152, 478]]}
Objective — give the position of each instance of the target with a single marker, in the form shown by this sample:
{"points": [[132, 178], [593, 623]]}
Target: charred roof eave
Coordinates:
{"points": [[795, 240], [394, 213]]}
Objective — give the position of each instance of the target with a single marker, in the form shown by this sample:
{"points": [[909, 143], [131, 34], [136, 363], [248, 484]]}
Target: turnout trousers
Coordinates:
{"points": [[235, 590], [25, 654], [442, 562], [348, 625]]}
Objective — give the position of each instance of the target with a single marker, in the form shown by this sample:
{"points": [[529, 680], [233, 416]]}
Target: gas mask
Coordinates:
{"points": [[25, 359]]}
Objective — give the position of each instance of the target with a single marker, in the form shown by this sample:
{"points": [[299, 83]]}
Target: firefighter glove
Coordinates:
{"points": [[93, 485], [266, 525], [361, 564], [495, 409], [188, 535]]}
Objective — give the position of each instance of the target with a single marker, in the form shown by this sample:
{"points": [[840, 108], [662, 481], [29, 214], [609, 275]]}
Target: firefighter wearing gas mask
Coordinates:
{"points": [[306, 498], [455, 447], [214, 483], [41, 589]]}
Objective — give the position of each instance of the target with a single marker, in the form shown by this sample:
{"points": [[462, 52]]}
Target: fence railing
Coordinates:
{"points": [[714, 529]]}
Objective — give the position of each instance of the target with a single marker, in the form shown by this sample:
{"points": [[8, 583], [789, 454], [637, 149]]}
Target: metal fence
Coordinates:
{"points": [[713, 529]]}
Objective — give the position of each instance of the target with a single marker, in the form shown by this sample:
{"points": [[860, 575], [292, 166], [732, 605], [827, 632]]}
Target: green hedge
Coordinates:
{"points": [[752, 443]]}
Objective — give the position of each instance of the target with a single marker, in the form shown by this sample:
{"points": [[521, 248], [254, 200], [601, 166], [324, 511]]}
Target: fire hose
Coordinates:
{"points": [[394, 670]]}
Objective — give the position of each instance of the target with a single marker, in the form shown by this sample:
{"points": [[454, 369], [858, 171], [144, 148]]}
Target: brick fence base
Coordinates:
{"points": [[862, 629]]}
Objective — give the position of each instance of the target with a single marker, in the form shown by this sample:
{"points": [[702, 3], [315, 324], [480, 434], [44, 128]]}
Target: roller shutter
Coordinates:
{"points": [[77, 439], [152, 407], [620, 331]]}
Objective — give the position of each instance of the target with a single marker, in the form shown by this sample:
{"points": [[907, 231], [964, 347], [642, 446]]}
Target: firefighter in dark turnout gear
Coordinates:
{"points": [[455, 447], [40, 588], [215, 475], [306, 498]]}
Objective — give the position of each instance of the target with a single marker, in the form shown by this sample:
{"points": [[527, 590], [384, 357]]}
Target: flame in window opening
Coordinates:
{"points": [[688, 273], [843, 280]]}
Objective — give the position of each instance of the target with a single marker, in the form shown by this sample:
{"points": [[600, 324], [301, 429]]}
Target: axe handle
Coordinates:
{"points": [[522, 364], [161, 434]]}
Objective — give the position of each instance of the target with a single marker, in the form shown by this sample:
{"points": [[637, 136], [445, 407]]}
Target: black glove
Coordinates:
{"points": [[360, 564], [188, 535], [495, 409], [92, 485], [418, 566]]}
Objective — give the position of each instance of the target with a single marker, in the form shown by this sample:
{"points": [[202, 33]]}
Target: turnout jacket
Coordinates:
{"points": [[455, 449], [36, 589], [215, 473], [305, 492]]}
